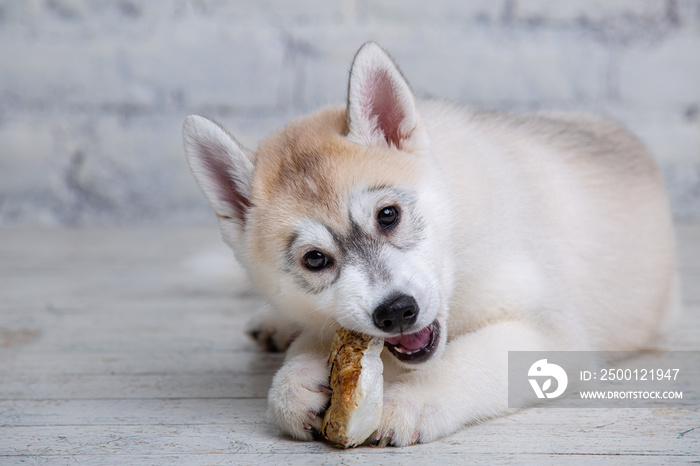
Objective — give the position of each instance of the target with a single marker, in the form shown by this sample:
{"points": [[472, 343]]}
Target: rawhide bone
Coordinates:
{"points": [[358, 388]]}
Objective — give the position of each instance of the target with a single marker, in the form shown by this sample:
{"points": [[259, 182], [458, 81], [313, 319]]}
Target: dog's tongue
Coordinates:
{"points": [[412, 342]]}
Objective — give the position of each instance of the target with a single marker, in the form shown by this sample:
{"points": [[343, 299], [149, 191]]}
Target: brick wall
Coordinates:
{"points": [[93, 93]]}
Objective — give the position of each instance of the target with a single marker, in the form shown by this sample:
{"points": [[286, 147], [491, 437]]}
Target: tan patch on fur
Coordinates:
{"points": [[307, 170]]}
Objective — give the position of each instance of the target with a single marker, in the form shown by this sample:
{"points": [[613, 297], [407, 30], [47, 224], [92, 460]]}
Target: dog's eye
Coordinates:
{"points": [[387, 217], [314, 260]]}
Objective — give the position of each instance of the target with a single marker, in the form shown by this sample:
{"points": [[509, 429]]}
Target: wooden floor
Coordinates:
{"points": [[125, 346]]}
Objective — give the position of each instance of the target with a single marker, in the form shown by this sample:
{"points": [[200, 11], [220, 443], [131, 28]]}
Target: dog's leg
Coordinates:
{"points": [[468, 384], [300, 393], [272, 330]]}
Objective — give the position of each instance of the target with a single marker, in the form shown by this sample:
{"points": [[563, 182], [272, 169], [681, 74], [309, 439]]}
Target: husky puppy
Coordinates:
{"points": [[454, 234]]}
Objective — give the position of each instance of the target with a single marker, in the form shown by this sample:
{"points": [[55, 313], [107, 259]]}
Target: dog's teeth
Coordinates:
{"points": [[402, 350]]}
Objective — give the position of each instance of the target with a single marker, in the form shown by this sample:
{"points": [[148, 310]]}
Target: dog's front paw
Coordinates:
{"points": [[409, 417], [299, 396]]}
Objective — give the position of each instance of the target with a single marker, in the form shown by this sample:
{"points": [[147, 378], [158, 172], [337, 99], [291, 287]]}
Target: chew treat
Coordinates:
{"points": [[358, 388]]}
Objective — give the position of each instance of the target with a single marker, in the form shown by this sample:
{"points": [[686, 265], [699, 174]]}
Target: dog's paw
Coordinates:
{"points": [[409, 417], [299, 397], [272, 331]]}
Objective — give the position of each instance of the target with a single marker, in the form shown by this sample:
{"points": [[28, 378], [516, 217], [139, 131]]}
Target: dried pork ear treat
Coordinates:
{"points": [[358, 388]]}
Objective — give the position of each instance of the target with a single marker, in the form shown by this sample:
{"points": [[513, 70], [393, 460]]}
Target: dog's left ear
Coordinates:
{"points": [[381, 106]]}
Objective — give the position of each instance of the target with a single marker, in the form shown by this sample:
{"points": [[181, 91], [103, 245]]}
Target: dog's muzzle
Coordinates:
{"points": [[415, 347], [398, 315]]}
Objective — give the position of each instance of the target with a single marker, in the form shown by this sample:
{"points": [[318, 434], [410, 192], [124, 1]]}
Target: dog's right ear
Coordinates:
{"points": [[222, 168]]}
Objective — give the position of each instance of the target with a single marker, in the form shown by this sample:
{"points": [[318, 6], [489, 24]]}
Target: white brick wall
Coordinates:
{"points": [[92, 93]]}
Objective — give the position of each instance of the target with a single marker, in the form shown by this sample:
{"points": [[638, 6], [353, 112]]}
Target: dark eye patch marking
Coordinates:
{"points": [[358, 246], [312, 282], [363, 249]]}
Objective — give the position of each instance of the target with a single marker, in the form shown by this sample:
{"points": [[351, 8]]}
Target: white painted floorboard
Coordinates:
{"points": [[126, 346]]}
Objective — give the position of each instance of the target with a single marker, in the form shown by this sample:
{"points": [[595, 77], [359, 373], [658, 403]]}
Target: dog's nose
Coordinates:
{"points": [[397, 313]]}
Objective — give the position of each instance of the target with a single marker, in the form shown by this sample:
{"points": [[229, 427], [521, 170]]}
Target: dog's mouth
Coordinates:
{"points": [[415, 347]]}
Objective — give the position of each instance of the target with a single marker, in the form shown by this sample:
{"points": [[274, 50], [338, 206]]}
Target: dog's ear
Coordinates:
{"points": [[381, 107], [222, 168]]}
